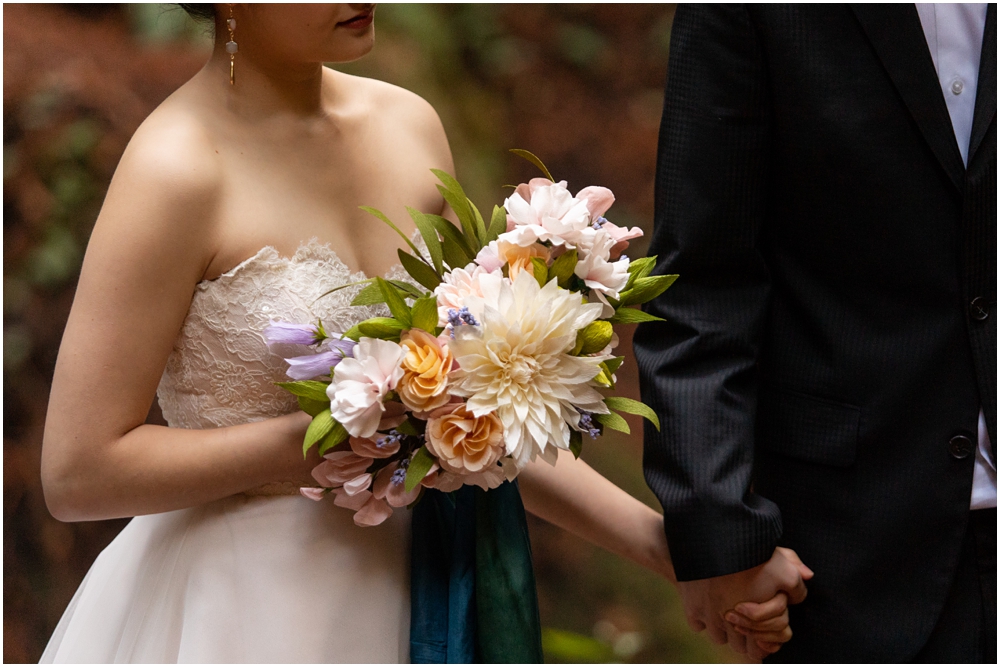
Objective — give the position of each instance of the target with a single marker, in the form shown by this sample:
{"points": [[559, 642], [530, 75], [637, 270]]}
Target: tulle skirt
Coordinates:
{"points": [[244, 579]]}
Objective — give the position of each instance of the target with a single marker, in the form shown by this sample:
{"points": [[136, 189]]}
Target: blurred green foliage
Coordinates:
{"points": [[579, 85]]}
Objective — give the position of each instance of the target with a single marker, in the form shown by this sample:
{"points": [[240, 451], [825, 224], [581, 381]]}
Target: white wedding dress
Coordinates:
{"points": [[266, 576]]}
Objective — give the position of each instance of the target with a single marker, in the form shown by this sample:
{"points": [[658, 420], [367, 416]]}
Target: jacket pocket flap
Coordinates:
{"points": [[808, 428]]}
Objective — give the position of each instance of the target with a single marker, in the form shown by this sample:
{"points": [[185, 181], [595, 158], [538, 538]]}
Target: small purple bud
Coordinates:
{"points": [[298, 334], [398, 476]]}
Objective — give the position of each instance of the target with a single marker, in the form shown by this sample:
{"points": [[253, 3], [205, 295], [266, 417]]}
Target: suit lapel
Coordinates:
{"points": [[898, 39], [986, 89]]}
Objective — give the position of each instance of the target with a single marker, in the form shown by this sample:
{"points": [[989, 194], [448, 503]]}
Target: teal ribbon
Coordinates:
{"points": [[472, 586]]}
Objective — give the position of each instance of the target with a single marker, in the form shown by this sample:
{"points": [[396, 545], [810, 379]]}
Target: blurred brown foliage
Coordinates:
{"points": [[579, 85]]}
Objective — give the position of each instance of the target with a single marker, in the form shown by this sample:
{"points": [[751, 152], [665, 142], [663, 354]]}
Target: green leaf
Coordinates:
{"points": [[541, 270], [354, 333], [382, 216], [412, 426], [460, 204], [381, 327], [418, 270], [369, 296], [420, 464], [397, 306], [428, 233], [409, 288], [533, 159], [632, 316], [640, 268], [613, 364], [317, 430], [450, 231], [632, 407], [575, 443], [340, 287], [312, 407], [613, 421], [336, 436], [646, 289], [498, 225], [454, 256], [594, 337], [425, 314], [312, 389], [477, 218], [563, 267]]}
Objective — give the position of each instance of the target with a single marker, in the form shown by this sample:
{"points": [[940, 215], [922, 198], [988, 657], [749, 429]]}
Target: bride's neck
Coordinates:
{"points": [[265, 88]]}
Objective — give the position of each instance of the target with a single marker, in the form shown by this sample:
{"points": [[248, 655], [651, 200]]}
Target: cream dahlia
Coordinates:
{"points": [[516, 363]]}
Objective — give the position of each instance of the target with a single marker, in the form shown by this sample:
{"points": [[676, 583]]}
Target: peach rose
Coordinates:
{"points": [[517, 258], [426, 364], [462, 442]]}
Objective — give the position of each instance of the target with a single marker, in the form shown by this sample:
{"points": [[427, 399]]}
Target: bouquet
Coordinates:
{"points": [[498, 350]]}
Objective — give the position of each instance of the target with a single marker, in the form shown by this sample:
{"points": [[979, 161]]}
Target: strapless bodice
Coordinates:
{"points": [[221, 371]]}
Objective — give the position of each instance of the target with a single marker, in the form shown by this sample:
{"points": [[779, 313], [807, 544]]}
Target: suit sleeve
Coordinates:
{"points": [[698, 369]]}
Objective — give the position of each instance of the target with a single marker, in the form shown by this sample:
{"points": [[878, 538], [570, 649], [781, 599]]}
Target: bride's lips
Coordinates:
{"points": [[359, 22]]}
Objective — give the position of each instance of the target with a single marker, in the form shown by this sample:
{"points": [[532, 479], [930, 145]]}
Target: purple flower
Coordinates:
{"points": [[312, 366], [298, 334]]}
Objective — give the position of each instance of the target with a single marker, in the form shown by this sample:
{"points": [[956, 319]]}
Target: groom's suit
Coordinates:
{"points": [[832, 336]]}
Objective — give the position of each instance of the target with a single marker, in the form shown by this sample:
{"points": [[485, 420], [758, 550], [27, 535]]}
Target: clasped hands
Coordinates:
{"points": [[748, 609]]}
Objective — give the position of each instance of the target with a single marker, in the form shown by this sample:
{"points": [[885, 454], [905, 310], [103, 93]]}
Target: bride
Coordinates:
{"points": [[265, 154]]}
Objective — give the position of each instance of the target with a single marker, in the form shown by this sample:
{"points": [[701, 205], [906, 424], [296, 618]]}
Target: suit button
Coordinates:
{"points": [[960, 447], [977, 309]]}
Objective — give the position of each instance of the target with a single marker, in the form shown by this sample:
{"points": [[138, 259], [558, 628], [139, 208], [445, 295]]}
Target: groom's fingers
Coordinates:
{"points": [[804, 570]]}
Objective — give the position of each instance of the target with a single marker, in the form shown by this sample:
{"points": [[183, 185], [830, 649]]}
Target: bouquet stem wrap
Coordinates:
{"points": [[472, 588]]}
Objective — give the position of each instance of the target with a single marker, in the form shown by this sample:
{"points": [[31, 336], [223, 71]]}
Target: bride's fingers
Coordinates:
{"points": [[779, 637], [769, 647], [760, 611], [767, 625]]}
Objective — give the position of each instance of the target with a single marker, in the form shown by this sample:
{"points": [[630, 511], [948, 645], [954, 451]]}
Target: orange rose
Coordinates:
{"points": [[518, 258], [426, 365], [462, 442]]}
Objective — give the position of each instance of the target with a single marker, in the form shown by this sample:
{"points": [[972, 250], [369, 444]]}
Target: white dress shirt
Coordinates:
{"points": [[954, 34]]}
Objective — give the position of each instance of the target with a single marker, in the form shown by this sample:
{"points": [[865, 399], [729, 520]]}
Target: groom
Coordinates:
{"points": [[826, 376]]}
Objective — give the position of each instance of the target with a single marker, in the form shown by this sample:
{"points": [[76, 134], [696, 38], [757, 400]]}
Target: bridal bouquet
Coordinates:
{"points": [[500, 349]]}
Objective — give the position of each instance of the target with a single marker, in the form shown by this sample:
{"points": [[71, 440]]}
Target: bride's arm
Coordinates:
{"points": [[150, 247], [577, 498]]}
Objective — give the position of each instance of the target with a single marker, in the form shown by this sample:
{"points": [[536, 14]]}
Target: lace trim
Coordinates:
{"points": [[221, 371]]}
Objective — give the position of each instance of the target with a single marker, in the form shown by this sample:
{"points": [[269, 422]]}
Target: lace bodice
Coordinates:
{"points": [[221, 371]]}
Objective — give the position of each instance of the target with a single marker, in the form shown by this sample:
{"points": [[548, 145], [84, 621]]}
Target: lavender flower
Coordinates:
{"points": [[392, 438], [312, 366], [457, 318], [298, 334], [587, 424]]}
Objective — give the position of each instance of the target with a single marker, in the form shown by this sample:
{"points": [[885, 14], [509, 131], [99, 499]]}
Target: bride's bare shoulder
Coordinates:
{"points": [[169, 178], [404, 111]]}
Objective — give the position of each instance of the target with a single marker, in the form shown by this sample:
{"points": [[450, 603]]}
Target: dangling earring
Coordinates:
{"points": [[231, 47]]}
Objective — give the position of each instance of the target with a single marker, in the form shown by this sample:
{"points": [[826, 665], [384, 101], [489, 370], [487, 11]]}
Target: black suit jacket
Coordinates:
{"points": [[821, 350]]}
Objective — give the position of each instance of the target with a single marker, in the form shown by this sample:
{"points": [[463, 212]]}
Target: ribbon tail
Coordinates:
{"points": [[506, 598]]}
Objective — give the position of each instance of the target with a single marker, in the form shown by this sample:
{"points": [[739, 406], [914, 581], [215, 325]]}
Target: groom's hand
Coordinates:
{"points": [[707, 600]]}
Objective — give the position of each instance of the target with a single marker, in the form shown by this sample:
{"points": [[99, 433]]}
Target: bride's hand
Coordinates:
{"points": [[294, 467]]}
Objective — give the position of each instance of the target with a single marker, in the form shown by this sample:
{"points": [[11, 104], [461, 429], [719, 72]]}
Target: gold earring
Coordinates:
{"points": [[232, 47]]}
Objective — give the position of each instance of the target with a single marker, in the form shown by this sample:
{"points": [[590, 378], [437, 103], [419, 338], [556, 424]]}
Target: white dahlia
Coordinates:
{"points": [[515, 363]]}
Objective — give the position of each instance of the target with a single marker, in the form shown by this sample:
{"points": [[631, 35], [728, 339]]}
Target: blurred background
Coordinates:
{"points": [[579, 85]]}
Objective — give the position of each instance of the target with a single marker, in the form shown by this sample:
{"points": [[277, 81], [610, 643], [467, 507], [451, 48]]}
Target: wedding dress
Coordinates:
{"points": [[264, 576]]}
